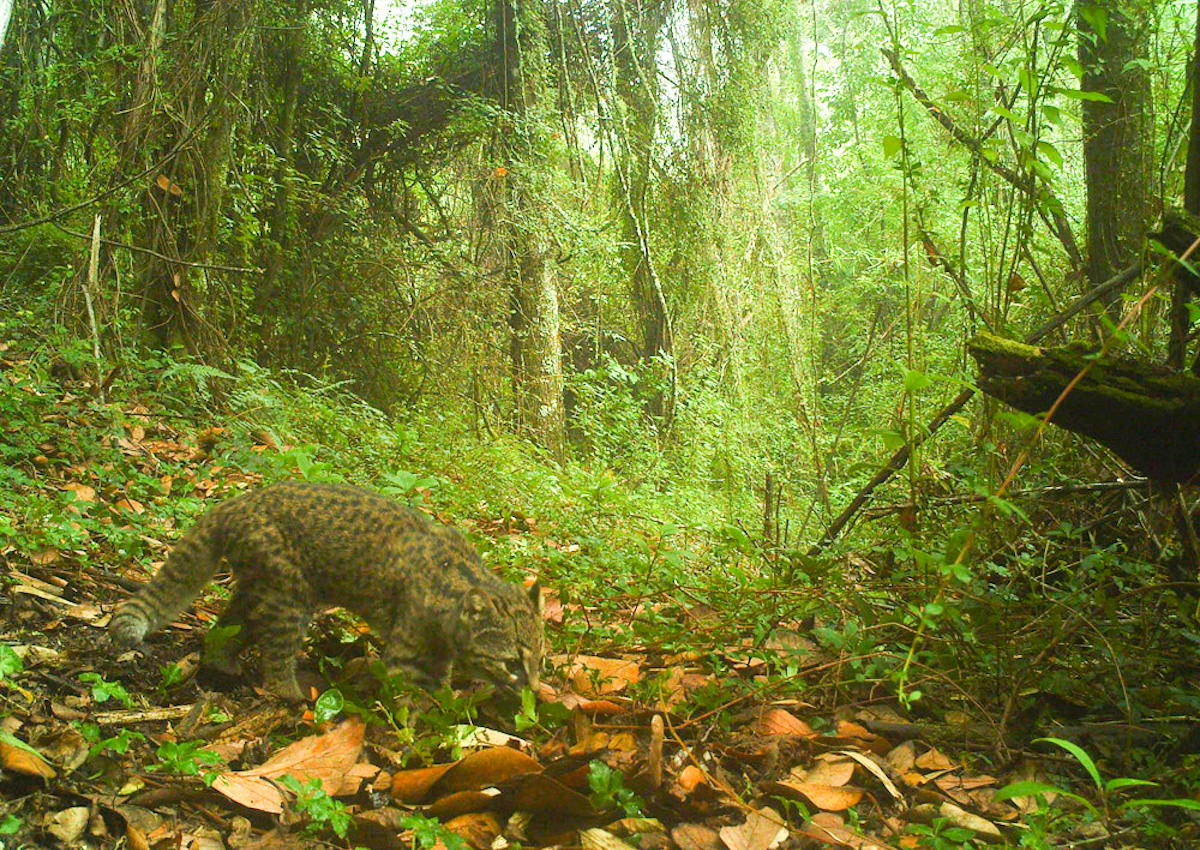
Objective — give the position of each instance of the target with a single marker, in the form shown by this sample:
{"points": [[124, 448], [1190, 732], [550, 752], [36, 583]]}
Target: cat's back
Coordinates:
{"points": [[317, 519]]}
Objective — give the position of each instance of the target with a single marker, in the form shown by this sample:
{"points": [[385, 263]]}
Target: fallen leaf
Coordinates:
{"points": [[779, 721], [461, 803], [934, 760], [690, 777], [19, 757], [828, 828], [329, 758], [68, 825], [595, 676], [875, 770], [46, 557], [537, 792], [695, 836], [411, 786], [826, 771], [486, 768], [829, 798], [479, 830], [83, 492], [762, 830], [601, 839]]}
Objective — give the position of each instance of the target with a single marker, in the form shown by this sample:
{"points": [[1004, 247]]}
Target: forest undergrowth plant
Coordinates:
{"points": [[1051, 816]]}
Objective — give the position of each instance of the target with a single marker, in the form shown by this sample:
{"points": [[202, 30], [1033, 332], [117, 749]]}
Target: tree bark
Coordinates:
{"points": [[635, 49], [1148, 415], [536, 343], [1117, 135]]}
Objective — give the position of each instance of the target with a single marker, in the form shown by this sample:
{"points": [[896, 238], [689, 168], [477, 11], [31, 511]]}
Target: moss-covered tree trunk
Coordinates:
{"points": [[1148, 415], [536, 343], [1118, 134], [635, 38]]}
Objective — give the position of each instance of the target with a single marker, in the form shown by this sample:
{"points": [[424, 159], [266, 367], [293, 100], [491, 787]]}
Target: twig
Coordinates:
{"points": [[93, 278], [174, 261], [148, 715]]}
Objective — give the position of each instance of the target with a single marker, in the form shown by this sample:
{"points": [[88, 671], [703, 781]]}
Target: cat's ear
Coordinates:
{"points": [[476, 603], [537, 595]]}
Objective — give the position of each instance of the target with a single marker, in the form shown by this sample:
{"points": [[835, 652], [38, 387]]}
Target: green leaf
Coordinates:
{"points": [[1125, 782], [1078, 94], [10, 662], [328, 706], [1193, 805], [892, 145], [915, 380], [10, 824], [1080, 754], [1096, 18], [950, 30], [1048, 151]]}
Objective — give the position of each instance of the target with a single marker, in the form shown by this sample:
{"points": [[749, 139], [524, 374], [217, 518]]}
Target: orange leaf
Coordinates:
{"points": [[18, 759], [329, 758], [594, 676], [486, 768], [828, 828], [762, 830], [778, 721], [827, 797], [411, 786]]}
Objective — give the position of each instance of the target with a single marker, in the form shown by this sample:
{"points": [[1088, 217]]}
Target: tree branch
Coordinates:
{"points": [[1024, 183]]}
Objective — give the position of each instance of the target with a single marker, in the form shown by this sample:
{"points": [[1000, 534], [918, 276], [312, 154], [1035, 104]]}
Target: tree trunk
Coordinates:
{"points": [[1117, 136], [635, 48], [279, 215], [536, 343]]}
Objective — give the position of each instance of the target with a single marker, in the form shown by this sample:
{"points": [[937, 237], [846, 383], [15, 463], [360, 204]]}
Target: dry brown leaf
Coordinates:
{"points": [[411, 786], [959, 817], [875, 770], [695, 836], [595, 676], [83, 492], [46, 557], [829, 828], [68, 825], [902, 758], [537, 792], [329, 758], [601, 839], [826, 771], [478, 830], [486, 768], [18, 759], [135, 839], [780, 721], [461, 803], [762, 830], [690, 777], [829, 798], [934, 760]]}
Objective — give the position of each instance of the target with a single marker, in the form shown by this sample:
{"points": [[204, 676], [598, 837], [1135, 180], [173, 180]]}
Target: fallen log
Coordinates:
{"points": [[1148, 415]]}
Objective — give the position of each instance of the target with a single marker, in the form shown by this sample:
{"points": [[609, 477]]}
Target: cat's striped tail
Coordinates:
{"points": [[191, 564]]}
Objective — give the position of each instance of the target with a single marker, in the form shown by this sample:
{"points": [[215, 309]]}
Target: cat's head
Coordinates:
{"points": [[501, 635]]}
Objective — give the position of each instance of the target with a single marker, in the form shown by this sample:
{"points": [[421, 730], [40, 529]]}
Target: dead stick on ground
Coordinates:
{"points": [[149, 715]]}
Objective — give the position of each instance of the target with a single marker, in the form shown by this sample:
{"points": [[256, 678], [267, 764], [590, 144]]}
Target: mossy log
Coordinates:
{"points": [[1148, 415]]}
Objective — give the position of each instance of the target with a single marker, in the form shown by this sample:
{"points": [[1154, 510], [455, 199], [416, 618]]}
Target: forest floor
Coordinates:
{"points": [[623, 748]]}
